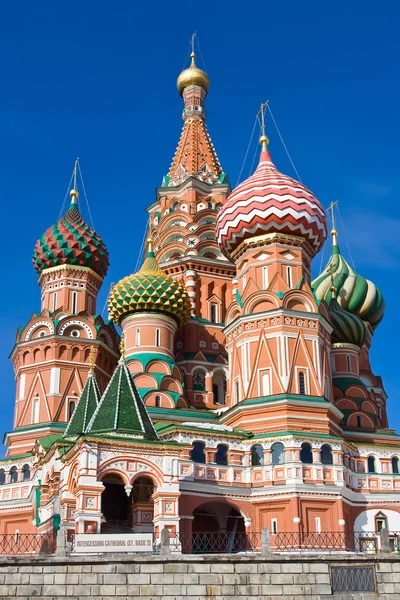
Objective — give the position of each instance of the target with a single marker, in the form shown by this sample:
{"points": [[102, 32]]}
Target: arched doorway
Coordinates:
{"points": [[218, 527], [114, 506], [142, 505]]}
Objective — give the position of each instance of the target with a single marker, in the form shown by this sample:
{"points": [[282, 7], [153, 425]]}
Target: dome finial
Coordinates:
{"points": [[334, 232], [74, 192], [91, 360], [122, 348], [264, 140], [193, 75]]}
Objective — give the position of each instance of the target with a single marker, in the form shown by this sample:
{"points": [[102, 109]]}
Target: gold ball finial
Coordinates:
{"points": [[264, 141], [193, 76], [74, 196], [333, 291]]}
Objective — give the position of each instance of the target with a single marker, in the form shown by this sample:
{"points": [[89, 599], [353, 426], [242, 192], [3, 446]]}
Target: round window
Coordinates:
{"points": [[75, 333], [42, 334]]}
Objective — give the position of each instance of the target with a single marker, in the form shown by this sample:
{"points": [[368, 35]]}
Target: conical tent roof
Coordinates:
{"points": [[87, 404], [121, 409]]}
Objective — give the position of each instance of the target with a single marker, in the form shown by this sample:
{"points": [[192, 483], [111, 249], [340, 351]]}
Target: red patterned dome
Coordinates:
{"points": [[270, 202], [71, 242]]}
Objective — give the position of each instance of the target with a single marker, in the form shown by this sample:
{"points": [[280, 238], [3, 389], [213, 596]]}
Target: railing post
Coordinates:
{"points": [[61, 542], [164, 538], [265, 541], [385, 544]]}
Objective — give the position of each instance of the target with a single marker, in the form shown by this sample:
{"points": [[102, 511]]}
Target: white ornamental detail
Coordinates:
{"points": [[76, 323], [36, 325]]}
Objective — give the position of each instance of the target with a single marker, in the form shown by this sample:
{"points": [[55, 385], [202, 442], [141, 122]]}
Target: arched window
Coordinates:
{"points": [[157, 402], [278, 454], [221, 456], [199, 381], [257, 456], [302, 383], [219, 388], [2, 476], [71, 408], [13, 475], [197, 453], [395, 465], [209, 205], [371, 464], [306, 456], [326, 455], [26, 473], [175, 206]]}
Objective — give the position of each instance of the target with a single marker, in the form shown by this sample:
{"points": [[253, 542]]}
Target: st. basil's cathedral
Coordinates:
{"points": [[239, 395]]}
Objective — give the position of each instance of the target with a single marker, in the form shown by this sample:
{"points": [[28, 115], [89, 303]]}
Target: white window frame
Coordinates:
{"points": [[137, 337], [289, 276], [54, 301], [318, 525], [36, 410], [158, 337], [265, 277], [306, 380]]}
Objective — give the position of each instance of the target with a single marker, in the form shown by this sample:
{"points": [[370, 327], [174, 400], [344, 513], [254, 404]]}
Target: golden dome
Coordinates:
{"points": [[193, 76]]}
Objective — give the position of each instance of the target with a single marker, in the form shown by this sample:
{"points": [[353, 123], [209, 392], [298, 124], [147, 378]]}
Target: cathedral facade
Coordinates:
{"points": [[239, 395]]}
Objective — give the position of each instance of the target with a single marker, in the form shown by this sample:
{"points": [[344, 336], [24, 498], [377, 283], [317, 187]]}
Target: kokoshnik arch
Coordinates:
{"points": [[243, 396]]}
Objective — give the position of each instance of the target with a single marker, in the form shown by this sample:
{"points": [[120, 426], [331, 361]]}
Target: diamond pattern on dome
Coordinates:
{"points": [[71, 242]]}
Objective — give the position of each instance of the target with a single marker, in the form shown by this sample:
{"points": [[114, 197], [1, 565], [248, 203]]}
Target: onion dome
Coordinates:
{"points": [[149, 290], [193, 76], [347, 327], [270, 202], [71, 242], [355, 294]]}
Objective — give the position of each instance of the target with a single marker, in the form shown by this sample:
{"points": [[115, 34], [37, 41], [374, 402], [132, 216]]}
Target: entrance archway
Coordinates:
{"points": [[142, 505], [218, 527], [114, 506]]}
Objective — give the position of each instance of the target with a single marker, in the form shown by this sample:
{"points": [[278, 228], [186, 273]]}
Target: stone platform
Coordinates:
{"points": [[181, 577]]}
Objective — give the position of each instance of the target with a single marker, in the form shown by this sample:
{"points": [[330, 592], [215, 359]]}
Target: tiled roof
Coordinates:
{"points": [[87, 404]]}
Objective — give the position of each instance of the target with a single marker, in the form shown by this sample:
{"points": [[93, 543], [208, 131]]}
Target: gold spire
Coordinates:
{"points": [[264, 140], [334, 232], [91, 360], [74, 192], [193, 75], [122, 347]]}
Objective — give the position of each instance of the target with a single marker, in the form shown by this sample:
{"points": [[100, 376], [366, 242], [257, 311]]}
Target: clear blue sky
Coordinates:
{"points": [[97, 80]]}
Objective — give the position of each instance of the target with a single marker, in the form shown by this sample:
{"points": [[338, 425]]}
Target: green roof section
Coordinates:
{"points": [[279, 397], [121, 409], [87, 404]]}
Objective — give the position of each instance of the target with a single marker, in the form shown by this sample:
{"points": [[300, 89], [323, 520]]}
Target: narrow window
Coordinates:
{"points": [[265, 278], [74, 302], [257, 456], [22, 383], [278, 454], [317, 524], [90, 304], [197, 453], [209, 205], [36, 410], [221, 456], [395, 465], [158, 402], [158, 336], [306, 456], [371, 464], [244, 281], [333, 363], [137, 337], [13, 475], [2, 476], [71, 408], [54, 300], [214, 312], [326, 455], [359, 421], [289, 276], [237, 397], [302, 383], [266, 390], [274, 526], [348, 363], [26, 473]]}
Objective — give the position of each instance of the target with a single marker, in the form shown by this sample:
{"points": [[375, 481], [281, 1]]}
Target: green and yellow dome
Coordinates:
{"points": [[355, 294], [149, 290]]}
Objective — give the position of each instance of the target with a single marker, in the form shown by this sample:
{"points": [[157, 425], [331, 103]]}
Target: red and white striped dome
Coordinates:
{"points": [[270, 202]]}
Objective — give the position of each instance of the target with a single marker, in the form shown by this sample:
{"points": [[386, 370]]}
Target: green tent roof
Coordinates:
{"points": [[87, 404], [121, 409]]}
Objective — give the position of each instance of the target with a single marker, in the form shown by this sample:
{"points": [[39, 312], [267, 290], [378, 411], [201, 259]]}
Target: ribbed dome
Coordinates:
{"points": [[149, 290], [354, 293], [193, 76], [71, 242], [347, 328], [269, 202]]}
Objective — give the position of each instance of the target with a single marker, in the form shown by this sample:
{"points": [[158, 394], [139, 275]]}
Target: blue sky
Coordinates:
{"points": [[97, 80]]}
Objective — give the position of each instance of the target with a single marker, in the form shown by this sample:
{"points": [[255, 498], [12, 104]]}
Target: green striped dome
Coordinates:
{"points": [[355, 294], [347, 328]]}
